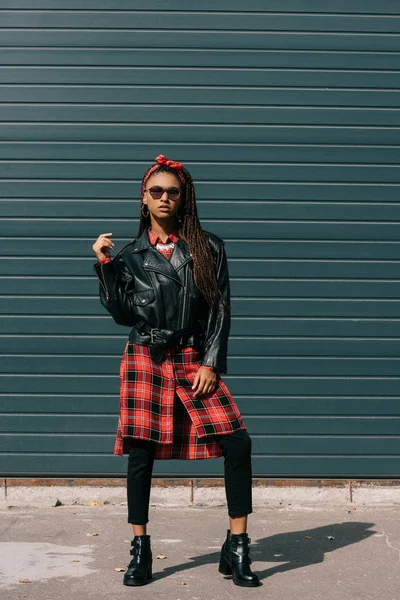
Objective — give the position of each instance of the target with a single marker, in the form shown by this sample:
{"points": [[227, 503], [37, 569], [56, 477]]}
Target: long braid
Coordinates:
{"points": [[191, 233]]}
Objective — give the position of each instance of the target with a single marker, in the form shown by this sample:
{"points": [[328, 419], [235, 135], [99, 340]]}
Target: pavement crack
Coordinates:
{"points": [[386, 536]]}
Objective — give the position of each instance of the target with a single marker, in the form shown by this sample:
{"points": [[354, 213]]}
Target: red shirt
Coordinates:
{"points": [[166, 247]]}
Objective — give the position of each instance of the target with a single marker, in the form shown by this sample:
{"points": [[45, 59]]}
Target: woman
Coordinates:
{"points": [[171, 286]]}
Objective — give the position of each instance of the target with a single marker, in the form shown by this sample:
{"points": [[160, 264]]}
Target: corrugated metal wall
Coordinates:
{"points": [[287, 115]]}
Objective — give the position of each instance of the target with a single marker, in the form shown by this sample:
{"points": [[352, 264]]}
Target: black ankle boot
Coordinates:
{"points": [[139, 569], [226, 542], [235, 560]]}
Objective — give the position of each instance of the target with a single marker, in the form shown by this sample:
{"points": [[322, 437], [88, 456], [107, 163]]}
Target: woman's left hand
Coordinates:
{"points": [[205, 382]]}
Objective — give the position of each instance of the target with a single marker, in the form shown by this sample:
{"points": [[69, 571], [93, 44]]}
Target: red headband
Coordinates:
{"points": [[162, 160]]}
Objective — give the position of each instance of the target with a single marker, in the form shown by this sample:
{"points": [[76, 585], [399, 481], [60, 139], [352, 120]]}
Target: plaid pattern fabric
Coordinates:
{"points": [[156, 403], [166, 248]]}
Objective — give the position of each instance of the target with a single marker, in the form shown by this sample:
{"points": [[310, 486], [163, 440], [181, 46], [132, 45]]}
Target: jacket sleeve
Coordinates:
{"points": [[115, 290], [219, 320]]}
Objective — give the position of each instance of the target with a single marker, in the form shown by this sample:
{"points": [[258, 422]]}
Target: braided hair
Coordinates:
{"points": [[190, 231]]}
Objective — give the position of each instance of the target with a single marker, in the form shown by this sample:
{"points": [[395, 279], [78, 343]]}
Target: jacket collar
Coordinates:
{"points": [[154, 238], [153, 259], [142, 242]]}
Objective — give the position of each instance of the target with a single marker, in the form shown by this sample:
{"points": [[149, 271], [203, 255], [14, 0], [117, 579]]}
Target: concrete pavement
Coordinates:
{"points": [[292, 551]]}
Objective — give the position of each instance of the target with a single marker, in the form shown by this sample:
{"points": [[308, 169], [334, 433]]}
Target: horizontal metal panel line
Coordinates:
{"points": [[115, 124], [235, 163], [194, 29], [207, 50], [56, 414], [299, 455], [347, 165], [86, 434], [174, 11], [315, 435], [153, 102], [68, 395], [204, 181], [301, 279], [204, 86], [209, 145], [52, 453], [276, 32]]}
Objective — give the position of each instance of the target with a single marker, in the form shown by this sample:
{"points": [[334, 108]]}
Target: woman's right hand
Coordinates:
{"points": [[103, 246]]}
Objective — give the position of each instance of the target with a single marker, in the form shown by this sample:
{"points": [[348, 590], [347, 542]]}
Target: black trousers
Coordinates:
{"points": [[236, 450]]}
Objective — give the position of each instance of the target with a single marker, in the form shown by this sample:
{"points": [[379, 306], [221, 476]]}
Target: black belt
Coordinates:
{"points": [[162, 339]]}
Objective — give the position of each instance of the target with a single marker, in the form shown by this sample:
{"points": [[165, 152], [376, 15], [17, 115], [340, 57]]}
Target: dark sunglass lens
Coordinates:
{"points": [[156, 192], [173, 193]]}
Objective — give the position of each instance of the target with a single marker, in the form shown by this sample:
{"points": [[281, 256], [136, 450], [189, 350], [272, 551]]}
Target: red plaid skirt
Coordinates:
{"points": [[157, 404]]}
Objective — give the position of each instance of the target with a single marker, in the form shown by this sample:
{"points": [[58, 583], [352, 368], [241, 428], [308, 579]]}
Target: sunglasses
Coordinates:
{"points": [[157, 192]]}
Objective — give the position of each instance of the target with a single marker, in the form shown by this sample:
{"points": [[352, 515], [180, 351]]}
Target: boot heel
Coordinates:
{"points": [[224, 567]]}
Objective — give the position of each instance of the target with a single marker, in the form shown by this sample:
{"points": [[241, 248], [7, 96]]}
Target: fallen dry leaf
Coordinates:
{"points": [[25, 580], [308, 537], [183, 583], [119, 569], [75, 560], [161, 556], [92, 534], [94, 503], [127, 541]]}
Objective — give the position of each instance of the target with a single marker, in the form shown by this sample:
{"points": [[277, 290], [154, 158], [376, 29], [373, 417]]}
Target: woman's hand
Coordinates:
{"points": [[102, 246], [205, 382]]}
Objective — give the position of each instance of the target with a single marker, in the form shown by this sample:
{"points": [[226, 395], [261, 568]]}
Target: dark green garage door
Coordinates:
{"points": [[287, 114]]}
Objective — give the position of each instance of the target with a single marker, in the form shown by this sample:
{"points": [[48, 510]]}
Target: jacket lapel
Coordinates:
{"points": [[153, 260], [180, 256]]}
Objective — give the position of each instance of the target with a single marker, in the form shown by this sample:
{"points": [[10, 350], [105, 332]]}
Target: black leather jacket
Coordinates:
{"points": [[157, 297]]}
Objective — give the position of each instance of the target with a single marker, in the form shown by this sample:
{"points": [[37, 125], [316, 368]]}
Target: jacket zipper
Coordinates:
{"points": [[184, 300], [103, 285]]}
